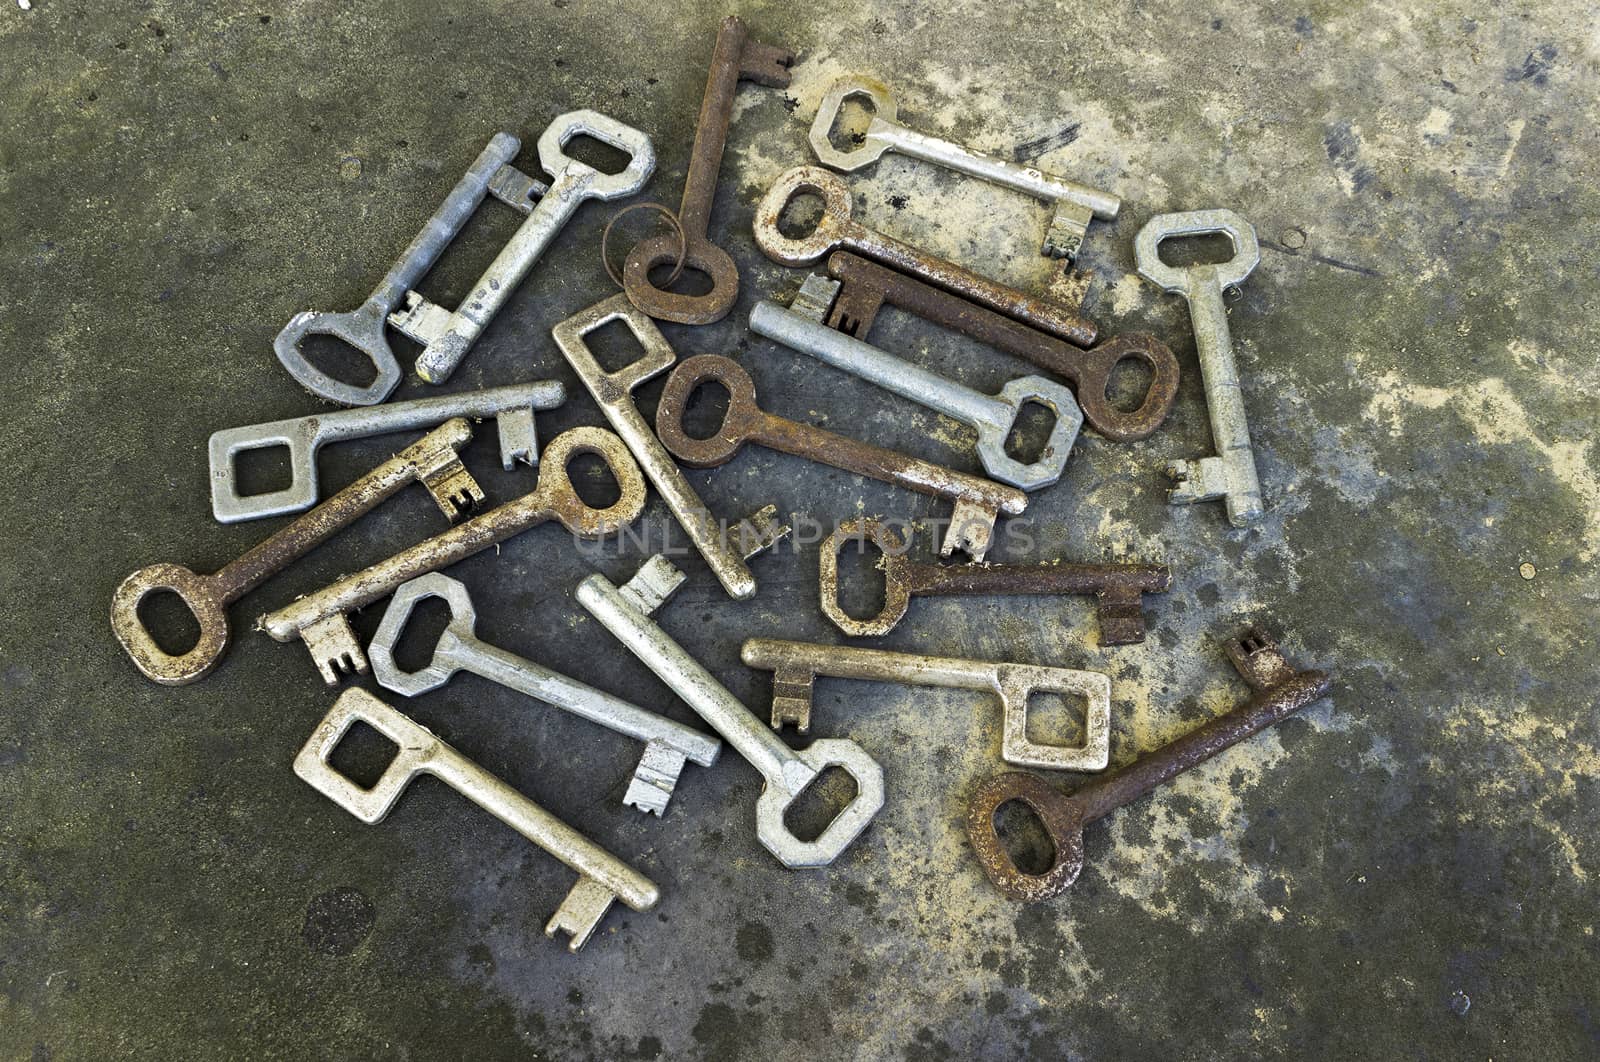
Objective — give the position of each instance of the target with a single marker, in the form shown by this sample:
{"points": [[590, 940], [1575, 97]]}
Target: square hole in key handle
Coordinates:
{"points": [[414, 742], [1018, 683]]}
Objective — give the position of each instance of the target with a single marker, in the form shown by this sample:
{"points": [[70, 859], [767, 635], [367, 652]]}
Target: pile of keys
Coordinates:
{"points": [[830, 319]]}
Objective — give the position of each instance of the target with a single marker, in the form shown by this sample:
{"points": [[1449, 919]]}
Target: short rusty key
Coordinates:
{"points": [[1280, 691], [978, 502], [866, 286], [836, 229], [431, 459], [735, 58], [1117, 588]]}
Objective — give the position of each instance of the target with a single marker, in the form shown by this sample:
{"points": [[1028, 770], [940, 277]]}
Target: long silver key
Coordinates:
{"points": [[1231, 475], [614, 393], [448, 335], [625, 612], [602, 877], [431, 460], [1075, 204], [668, 744], [512, 407], [801, 327], [319, 619], [795, 666]]}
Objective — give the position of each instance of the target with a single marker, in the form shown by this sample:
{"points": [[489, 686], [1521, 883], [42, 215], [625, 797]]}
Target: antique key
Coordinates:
{"points": [[602, 877], [1280, 691], [512, 408], [1231, 475], [1117, 588], [795, 666], [836, 229], [319, 618], [800, 327], [978, 502], [786, 772], [431, 459], [1075, 204], [668, 744], [735, 58], [866, 286], [613, 391]]}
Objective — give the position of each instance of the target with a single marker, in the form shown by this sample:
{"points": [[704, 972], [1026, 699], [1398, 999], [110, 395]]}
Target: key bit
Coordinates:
{"points": [[334, 648], [971, 529], [791, 697], [580, 913], [1068, 226], [452, 486], [519, 439], [421, 320], [654, 778]]}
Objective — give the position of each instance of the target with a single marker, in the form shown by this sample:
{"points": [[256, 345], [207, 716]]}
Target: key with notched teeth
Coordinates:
{"points": [[1231, 475], [668, 744], [1280, 691], [1117, 588], [800, 328], [319, 618], [431, 460], [865, 286], [978, 502], [734, 58], [613, 391], [602, 877], [796, 665], [448, 335], [836, 229], [1075, 204], [512, 407], [625, 612]]}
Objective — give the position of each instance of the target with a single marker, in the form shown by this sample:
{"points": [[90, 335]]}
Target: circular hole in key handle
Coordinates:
{"points": [[1107, 368], [690, 376], [561, 499], [1053, 812], [896, 595], [198, 594], [804, 249]]}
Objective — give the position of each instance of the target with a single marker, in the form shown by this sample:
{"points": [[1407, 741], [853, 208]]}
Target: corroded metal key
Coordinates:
{"points": [[602, 877], [512, 408], [613, 391], [319, 618], [625, 612], [978, 502], [800, 327], [1117, 588], [668, 744], [1231, 475], [1075, 204], [795, 666], [865, 286], [431, 459], [1280, 691], [735, 58], [836, 229]]}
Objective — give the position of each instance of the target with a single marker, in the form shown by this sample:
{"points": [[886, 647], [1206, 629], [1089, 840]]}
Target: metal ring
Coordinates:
{"points": [[677, 226]]}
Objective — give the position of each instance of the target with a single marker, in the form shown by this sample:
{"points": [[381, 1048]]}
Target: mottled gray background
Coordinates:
{"points": [[1405, 870]]}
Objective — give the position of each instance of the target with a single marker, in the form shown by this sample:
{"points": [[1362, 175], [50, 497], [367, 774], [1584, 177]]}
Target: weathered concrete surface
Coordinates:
{"points": [[1407, 870]]}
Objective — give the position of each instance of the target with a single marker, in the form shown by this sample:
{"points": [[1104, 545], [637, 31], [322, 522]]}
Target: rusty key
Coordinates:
{"points": [[1280, 691], [1116, 587], [866, 286], [978, 502], [836, 228], [735, 58]]}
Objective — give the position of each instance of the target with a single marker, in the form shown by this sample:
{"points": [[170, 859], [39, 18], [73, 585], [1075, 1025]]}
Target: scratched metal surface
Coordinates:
{"points": [[1404, 870]]}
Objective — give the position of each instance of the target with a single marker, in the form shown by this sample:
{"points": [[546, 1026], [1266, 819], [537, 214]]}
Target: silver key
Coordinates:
{"points": [[794, 666], [801, 327], [512, 407], [602, 877], [449, 335], [625, 612], [1075, 204], [614, 393], [1231, 475], [668, 744]]}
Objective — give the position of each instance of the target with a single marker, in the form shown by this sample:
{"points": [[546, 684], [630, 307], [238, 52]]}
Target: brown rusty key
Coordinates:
{"points": [[735, 58], [1116, 587], [978, 502], [866, 286], [836, 228], [1280, 691]]}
